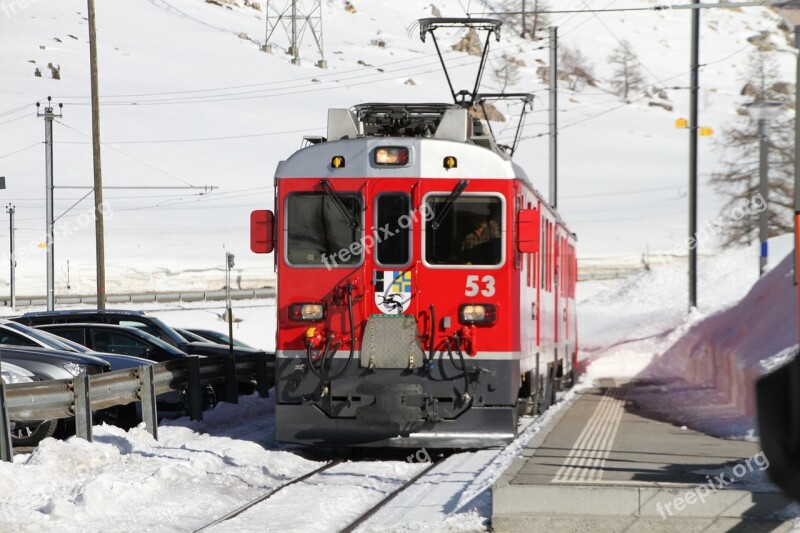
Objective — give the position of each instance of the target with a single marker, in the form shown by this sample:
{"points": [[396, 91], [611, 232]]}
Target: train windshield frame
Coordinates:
{"points": [[318, 234], [393, 248], [471, 235]]}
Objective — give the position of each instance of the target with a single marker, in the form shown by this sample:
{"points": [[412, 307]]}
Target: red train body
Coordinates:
{"points": [[425, 289]]}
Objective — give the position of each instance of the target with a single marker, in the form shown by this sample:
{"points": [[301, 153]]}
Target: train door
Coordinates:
{"points": [[391, 265]]}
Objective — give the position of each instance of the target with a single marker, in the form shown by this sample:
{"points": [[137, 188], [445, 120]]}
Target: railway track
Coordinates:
{"points": [[353, 523], [389, 497], [252, 503]]}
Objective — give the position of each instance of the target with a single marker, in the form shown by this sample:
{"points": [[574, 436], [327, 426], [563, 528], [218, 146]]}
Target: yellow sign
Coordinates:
{"points": [[706, 132], [681, 123], [42, 245]]}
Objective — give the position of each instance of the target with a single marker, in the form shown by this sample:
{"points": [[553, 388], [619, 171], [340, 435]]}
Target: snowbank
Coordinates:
{"points": [[718, 361], [699, 368]]}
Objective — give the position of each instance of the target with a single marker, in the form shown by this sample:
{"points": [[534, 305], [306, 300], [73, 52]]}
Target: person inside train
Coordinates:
{"points": [[478, 246]]}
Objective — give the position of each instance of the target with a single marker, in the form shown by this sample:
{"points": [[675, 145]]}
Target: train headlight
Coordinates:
{"points": [[391, 156], [477, 313], [307, 311]]}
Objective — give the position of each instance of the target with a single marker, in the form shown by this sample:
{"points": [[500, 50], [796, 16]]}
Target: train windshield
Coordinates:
{"points": [[318, 232], [471, 233], [393, 248]]}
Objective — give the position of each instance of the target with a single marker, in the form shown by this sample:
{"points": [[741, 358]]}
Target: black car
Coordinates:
{"points": [[210, 335], [115, 339], [145, 322], [16, 334], [136, 319]]}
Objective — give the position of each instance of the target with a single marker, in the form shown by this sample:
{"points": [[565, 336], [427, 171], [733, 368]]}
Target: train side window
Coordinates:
{"points": [[392, 249], [318, 233]]}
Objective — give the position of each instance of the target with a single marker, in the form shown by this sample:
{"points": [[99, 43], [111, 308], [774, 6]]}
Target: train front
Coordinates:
{"points": [[398, 313]]}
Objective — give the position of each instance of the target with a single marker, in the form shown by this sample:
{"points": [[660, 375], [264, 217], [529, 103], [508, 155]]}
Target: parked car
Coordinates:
{"points": [[114, 339], [10, 373], [169, 405], [136, 319], [147, 323], [15, 334], [210, 335], [112, 342], [47, 363], [189, 336]]}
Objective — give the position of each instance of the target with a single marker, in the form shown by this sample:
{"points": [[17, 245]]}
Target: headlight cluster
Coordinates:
{"points": [[9, 377], [477, 313], [307, 311], [75, 369]]}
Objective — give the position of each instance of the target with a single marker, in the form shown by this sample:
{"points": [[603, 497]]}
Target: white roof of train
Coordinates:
{"points": [[431, 132]]}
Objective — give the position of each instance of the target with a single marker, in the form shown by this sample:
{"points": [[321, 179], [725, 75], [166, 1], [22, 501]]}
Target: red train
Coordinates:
{"points": [[426, 291]]}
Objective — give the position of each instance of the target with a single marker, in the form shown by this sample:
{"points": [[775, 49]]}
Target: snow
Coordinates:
{"points": [[139, 484], [186, 101], [701, 366]]}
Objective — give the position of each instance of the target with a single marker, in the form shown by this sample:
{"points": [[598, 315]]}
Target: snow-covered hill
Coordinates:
{"points": [[188, 99]]}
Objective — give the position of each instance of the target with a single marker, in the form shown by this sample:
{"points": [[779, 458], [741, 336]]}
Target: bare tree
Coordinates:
{"points": [[574, 67], [506, 72], [627, 76], [524, 17], [738, 182]]}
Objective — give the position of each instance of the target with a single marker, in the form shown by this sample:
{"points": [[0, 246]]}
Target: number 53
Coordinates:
{"points": [[474, 286]]}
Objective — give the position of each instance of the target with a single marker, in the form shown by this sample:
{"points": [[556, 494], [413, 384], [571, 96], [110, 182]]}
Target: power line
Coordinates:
{"points": [[198, 139], [34, 145], [661, 7], [164, 172]]}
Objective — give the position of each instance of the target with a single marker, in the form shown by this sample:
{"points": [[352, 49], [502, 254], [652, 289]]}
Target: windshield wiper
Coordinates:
{"points": [[448, 204], [337, 201]]}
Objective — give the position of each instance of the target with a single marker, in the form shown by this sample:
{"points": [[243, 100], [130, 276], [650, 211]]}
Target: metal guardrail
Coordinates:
{"points": [[146, 297], [79, 397]]}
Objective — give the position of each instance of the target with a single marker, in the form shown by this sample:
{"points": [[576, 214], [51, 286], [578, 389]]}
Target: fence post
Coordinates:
{"points": [[262, 377], [83, 407], [6, 452], [231, 387], [194, 390], [147, 393]]}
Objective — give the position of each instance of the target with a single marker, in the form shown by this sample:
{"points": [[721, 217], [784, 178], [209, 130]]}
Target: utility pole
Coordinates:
{"points": [[553, 117], [523, 20], [695, 62], [763, 189], [13, 260], [48, 116], [228, 307], [231, 395], [99, 230], [762, 111]]}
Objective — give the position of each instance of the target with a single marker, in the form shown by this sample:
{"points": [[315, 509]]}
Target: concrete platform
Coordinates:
{"points": [[603, 464]]}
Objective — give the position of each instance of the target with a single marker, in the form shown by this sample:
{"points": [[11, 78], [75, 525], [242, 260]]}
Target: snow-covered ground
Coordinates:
{"points": [[199, 471]]}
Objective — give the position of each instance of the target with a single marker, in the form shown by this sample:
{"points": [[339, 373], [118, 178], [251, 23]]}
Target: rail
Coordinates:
{"points": [[78, 397]]}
